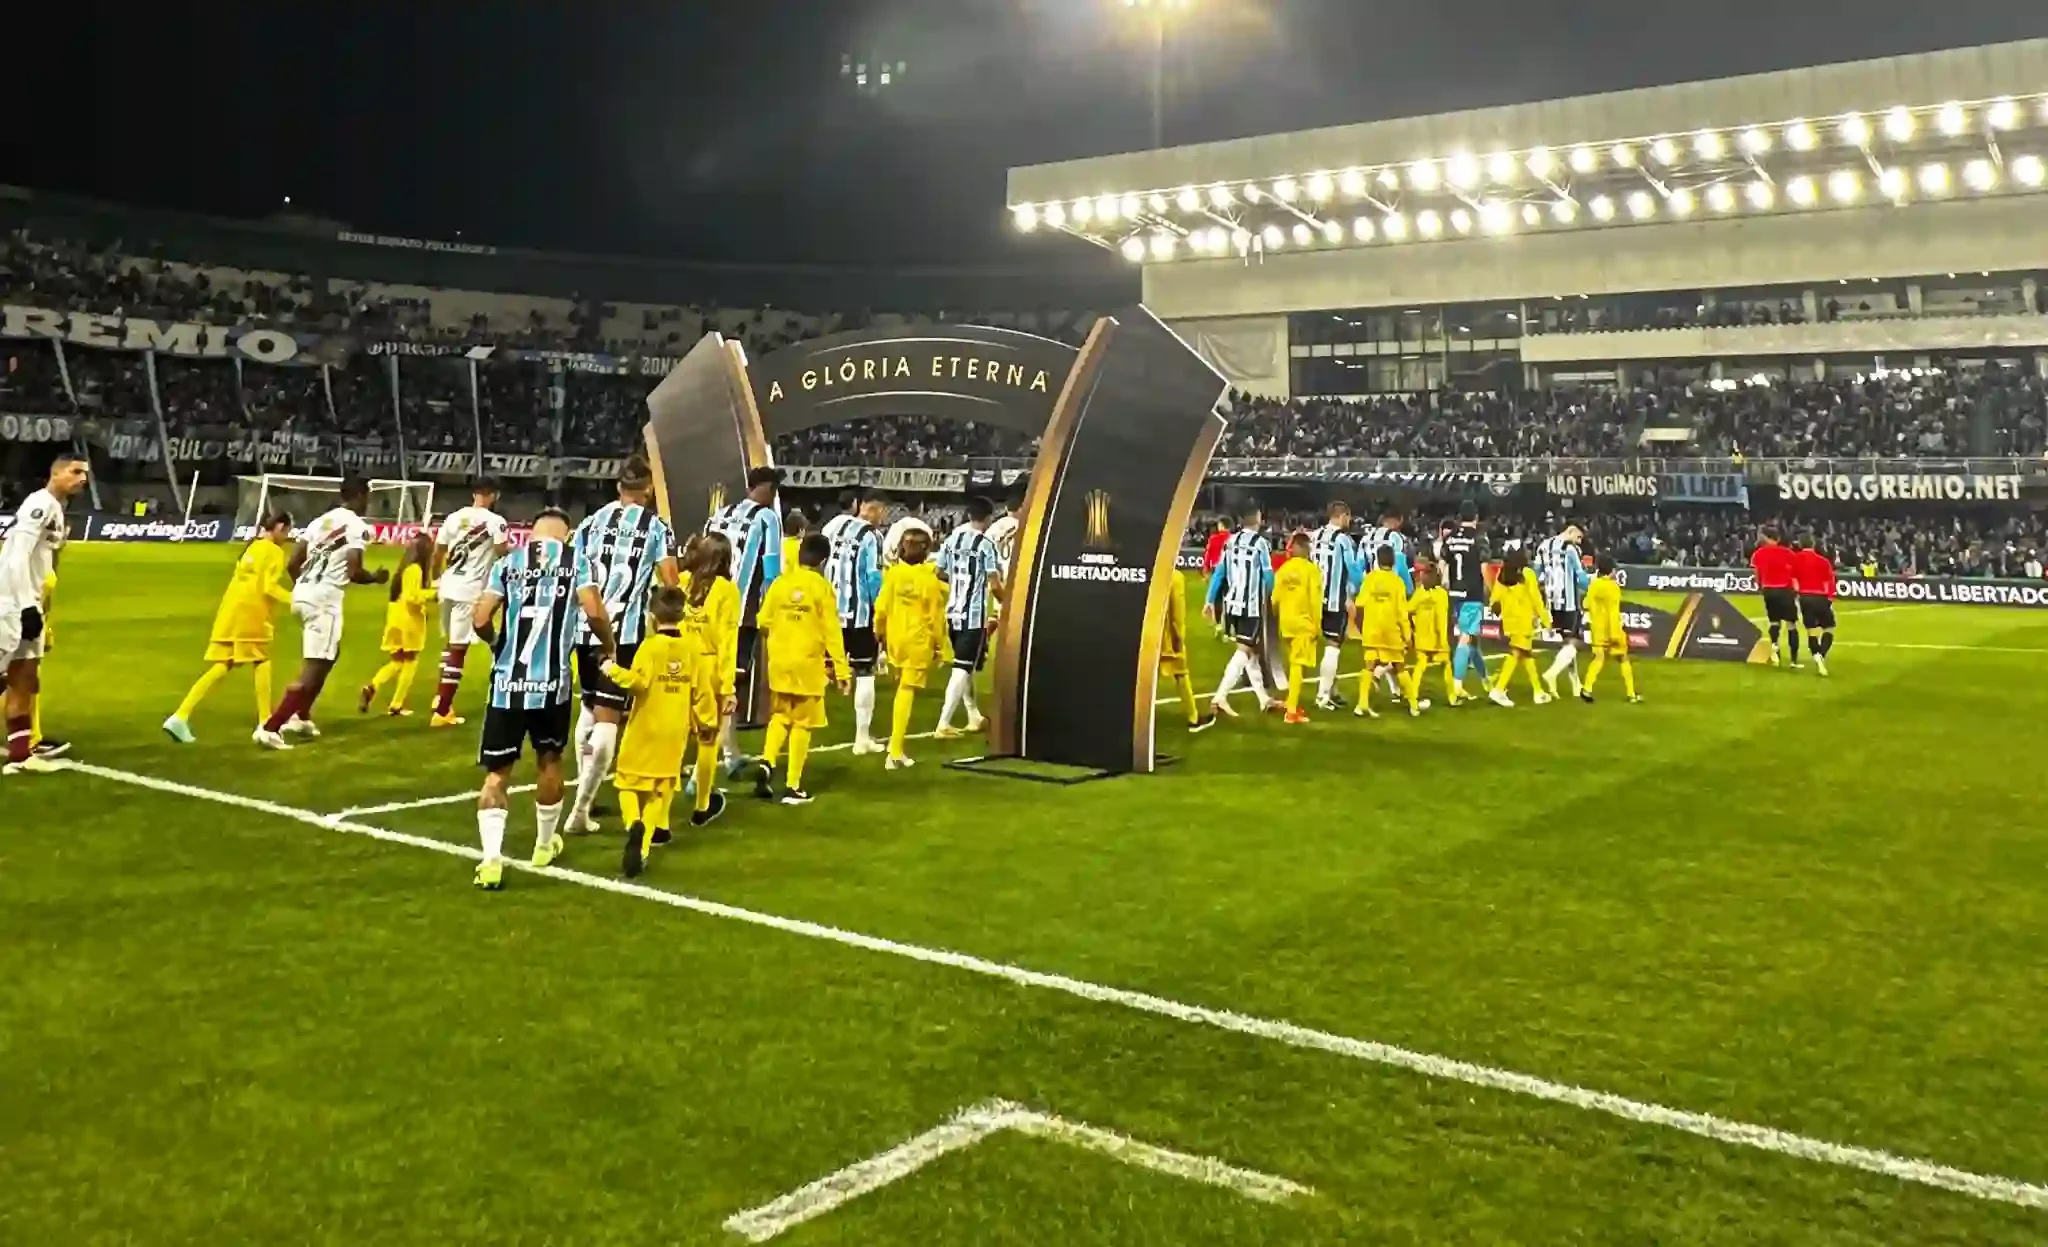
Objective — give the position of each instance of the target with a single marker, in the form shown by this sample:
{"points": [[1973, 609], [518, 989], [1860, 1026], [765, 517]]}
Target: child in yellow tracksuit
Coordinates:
{"points": [[1429, 619], [1610, 638], [1383, 627], [1518, 599], [711, 623], [910, 623], [405, 628], [1298, 609], [1173, 655], [800, 617], [668, 707]]}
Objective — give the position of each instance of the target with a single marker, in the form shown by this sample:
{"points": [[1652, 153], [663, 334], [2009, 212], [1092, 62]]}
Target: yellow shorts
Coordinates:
{"points": [[1304, 651], [1423, 657], [1617, 648], [912, 677], [1173, 666], [649, 787], [401, 641], [1524, 642], [238, 652], [801, 709], [1382, 654]]}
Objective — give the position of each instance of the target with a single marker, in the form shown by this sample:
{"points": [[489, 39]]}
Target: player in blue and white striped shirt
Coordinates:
{"points": [[629, 549], [548, 593], [754, 527], [855, 569], [1337, 557], [972, 568], [1560, 566], [1241, 587]]}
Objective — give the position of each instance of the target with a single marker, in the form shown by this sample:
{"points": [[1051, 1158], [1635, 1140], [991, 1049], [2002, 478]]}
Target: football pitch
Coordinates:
{"points": [[1764, 959]]}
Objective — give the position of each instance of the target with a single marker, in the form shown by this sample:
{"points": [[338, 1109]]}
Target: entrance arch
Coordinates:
{"points": [[1126, 426]]}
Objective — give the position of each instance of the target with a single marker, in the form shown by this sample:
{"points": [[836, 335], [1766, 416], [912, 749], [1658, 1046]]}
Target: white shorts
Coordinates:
{"points": [[14, 647], [320, 624], [458, 621]]}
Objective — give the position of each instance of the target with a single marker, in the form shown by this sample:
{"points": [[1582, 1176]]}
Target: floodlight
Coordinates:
{"points": [[1532, 215], [1026, 217], [1333, 232], [1541, 162], [1682, 202], [1495, 218], [1129, 206], [1898, 124], [1501, 167], [1845, 186], [1759, 194], [1708, 145], [1893, 182], [1272, 237], [1934, 178], [1641, 206], [1055, 215], [1189, 201], [1302, 235], [1361, 229], [1105, 209], [1756, 140], [1353, 182], [1855, 131], [1320, 187], [1162, 245], [1802, 191], [1602, 207], [2004, 114], [1799, 136], [1157, 203], [1390, 179], [1134, 249], [1564, 212], [1220, 196], [1461, 220], [1285, 190], [1623, 154], [1462, 171], [1082, 211], [1665, 151], [1953, 119], [1721, 197], [1395, 227], [1428, 224], [2027, 170], [1980, 175], [1422, 175], [1584, 160]]}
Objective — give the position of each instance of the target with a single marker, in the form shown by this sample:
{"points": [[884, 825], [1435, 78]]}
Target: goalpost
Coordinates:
{"points": [[304, 497]]}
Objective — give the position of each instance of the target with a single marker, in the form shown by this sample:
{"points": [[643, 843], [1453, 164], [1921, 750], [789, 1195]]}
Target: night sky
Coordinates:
{"points": [[724, 131]]}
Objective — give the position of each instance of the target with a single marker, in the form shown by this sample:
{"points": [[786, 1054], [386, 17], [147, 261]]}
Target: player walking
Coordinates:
{"points": [[328, 558], [1772, 563], [1241, 586], [754, 528], [1383, 627], [971, 566], [855, 569], [242, 627], [629, 549], [1463, 553], [1561, 570], [1605, 631], [548, 593], [470, 541], [1813, 574], [1337, 557], [28, 562], [805, 652]]}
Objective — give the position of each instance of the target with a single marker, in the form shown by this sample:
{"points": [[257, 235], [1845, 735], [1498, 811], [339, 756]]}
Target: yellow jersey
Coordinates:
{"points": [[1521, 606], [1429, 617], [1173, 638], [1383, 610], [245, 609], [1603, 612], [659, 727], [1298, 598], [800, 617], [405, 618], [910, 616], [790, 545], [713, 629]]}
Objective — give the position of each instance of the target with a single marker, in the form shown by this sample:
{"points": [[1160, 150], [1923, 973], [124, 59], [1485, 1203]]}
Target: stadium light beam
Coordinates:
{"points": [[1845, 186], [1462, 171], [1934, 178], [2028, 170], [1026, 217], [1760, 195], [1802, 191], [1756, 141], [1953, 119], [1602, 208], [1721, 197], [1800, 136], [2003, 114], [1584, 160], [1395, 227], [1980, 175], [1428, 223], [1855, 131], [1894, 183], [1898, 124]]}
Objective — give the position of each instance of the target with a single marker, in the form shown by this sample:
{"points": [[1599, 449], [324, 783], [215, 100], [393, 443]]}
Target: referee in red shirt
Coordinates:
{"points": [[1212, 553], [1813, 573], [1772, 563]]}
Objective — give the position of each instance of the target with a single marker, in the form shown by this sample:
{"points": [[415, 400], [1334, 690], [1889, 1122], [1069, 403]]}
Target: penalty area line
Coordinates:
{"points": [[1705, 1125]]}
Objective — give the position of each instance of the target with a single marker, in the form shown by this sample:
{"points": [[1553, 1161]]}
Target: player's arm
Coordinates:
{"points": [[666, 571], [885, 604], [868, 566], [484, 615], [1542, 607], [768, 530], [646, 665], [1215, 594], [727, 625], [297, 562]]}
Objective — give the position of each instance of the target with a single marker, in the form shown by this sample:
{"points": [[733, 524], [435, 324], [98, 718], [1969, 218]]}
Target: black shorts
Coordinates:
{"points": [[861, 649], [1245, 629], [1816, 612], [1335, 625], [1781, 606], [598, 689], [970, 647], [1568, 624], [507, 731]]}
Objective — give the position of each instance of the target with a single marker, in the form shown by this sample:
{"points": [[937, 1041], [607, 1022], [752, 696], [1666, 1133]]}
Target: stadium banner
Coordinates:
{"points": [[183, 339], [1705, 626], [895, 480], [1923, 486], [1432, 484], [100, 527], [14, 428], [634, 364], [1709, 488], [423, 350], [1849, 586], [400, 242]]}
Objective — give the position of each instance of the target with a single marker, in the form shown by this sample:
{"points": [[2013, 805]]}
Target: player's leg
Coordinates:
{"points": [[1628, 678], [401, 687], [492, 812], [899, 719], [1255, 675], [1792, 643], [1184, 684], [458, 625], [20, 703], [1233, 671], [802, 720], [385, 675], [550, 731], [957, 681], [1593, 670], [1567, 658], [604, 710], [772, 742], [633, 813], [710, 801], [1367, 673], [1453, 691], [975, 722], [1498, 694], [1536, 688], [1298, 650], [264, 689]]}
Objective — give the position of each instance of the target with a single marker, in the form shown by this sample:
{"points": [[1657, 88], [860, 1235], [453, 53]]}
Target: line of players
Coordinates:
{"points": [[1798, 587], [1333, 586]]}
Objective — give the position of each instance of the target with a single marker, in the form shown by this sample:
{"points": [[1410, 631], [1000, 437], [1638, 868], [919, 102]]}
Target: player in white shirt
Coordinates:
{"points": [[28, 563], [470, 542], [893, 542], [327, 559]]}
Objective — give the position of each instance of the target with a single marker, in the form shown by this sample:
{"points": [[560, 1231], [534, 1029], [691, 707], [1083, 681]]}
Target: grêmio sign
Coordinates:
{"points": [[186, 340]]}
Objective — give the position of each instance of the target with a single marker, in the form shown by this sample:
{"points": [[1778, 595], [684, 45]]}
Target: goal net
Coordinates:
{"points": [[304, 497]]}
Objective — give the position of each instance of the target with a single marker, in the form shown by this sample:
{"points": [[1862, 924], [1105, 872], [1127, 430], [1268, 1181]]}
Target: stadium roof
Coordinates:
{"points": [[1938, 127]]}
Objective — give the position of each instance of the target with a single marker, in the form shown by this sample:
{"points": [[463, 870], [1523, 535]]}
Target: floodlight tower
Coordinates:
{"points": [[1159, 16]]}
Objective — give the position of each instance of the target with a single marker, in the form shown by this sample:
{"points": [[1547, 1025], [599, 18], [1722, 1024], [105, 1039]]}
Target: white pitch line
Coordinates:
{"points": [[463, 798], [970, 1126], [1977, 649], [1764, 1138]]}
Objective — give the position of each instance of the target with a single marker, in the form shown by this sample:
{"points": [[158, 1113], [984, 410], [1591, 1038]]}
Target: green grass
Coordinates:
{"points": [[1812, 905]]}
